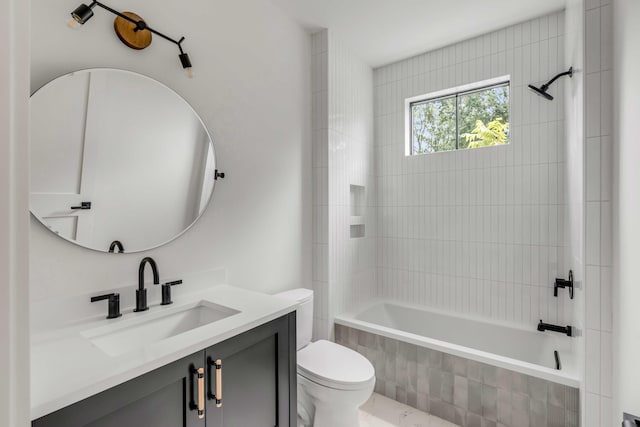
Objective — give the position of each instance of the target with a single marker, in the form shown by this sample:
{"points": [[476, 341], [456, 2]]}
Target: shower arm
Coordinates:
{"points": [[566, 73]]}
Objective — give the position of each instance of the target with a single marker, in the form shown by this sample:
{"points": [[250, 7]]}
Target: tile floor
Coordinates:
{"points": [[380, 411]]}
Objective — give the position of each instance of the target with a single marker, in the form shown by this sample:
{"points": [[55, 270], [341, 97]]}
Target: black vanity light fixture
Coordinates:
{"points": [[542, 90], [136, 36]]}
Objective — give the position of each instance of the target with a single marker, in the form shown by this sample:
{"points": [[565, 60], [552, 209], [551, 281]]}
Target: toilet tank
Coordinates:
{"points": [[304, 314]]}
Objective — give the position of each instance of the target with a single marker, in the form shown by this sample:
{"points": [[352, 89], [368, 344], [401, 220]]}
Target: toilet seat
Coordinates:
{"points": [[335, 366]]}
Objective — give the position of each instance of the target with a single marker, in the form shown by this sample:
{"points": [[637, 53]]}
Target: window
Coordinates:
{"points": [[469, 117]]}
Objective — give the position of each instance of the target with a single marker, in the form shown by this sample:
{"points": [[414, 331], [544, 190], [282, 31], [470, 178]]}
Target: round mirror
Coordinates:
{"points": [[119, 162]]}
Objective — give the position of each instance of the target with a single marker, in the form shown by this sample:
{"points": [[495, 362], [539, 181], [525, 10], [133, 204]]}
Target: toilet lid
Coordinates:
{"points": [[334, 366]]}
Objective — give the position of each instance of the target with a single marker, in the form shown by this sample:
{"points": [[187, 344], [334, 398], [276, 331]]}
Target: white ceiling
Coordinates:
{"points": [[384, 31]]}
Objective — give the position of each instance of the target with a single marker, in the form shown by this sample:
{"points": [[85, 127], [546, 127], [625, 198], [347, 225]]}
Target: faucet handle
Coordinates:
{"points": [[114, 304], [562, 283], [166, 291]]}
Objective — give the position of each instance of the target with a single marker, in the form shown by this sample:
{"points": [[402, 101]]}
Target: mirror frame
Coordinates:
{"points": [[211, 141]]}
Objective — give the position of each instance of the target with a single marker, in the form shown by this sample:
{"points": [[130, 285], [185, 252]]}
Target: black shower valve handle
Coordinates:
{"points": [[562, 283]]}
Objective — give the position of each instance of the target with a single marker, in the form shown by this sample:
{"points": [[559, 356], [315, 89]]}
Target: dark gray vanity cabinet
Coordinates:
{"points": [[246, 381], [256, 373], [161, 398]]}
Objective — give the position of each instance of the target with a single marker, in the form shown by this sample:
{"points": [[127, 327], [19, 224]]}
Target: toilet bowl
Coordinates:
{"points": [[333, 380]]}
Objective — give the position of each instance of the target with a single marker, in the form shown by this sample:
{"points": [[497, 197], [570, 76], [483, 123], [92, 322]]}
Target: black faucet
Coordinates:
{"points": [[116, 244], [141, 293], [555, 328]]}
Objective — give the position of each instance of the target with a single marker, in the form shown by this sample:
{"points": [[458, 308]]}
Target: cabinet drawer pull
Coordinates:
{"points": [[199, 404], [217, 396], [218, 383], [201, 393]]}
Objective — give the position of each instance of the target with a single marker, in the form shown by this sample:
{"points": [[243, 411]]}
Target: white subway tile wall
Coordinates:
{"points": [[344, 267], [576, 157], [598, 285], [352, 262], [477, 231], [320, 153]]}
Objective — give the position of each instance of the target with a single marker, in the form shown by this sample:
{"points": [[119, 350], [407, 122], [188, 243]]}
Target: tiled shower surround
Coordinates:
{"points": [[463, 391], [480, 231], [519, 215]]}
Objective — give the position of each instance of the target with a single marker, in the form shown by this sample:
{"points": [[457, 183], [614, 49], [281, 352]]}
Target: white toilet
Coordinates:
{"points": [[333, 381]]}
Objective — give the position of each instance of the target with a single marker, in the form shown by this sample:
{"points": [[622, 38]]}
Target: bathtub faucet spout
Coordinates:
{"points": [[555, 328]]}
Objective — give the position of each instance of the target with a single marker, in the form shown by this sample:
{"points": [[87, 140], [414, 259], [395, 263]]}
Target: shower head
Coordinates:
{"points": [[542, 90]]}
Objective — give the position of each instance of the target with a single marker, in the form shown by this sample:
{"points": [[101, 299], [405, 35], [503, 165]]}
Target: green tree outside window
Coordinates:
{"points": [[464, 120]]}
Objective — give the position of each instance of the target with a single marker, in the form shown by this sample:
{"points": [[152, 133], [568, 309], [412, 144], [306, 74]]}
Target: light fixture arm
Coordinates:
{"points": [[83, 13], [179, 43], [140, 25]]}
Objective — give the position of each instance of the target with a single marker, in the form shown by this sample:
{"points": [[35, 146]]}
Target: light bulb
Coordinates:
{"points": [[72, 23], [189, 72]]}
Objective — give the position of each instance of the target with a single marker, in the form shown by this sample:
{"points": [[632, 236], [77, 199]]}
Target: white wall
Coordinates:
{"points": [[477, 231], [14, 202], [251, 88], [344, 268], [627, 209]]}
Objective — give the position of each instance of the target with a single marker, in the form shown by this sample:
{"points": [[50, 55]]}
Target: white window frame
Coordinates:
{"points": [[447, 93]]}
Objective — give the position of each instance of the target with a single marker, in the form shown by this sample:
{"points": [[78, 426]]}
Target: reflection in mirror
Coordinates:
{"points": [[117, 157]]}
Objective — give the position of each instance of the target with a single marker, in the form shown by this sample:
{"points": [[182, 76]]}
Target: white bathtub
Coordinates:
{"points": [[526, 351]]}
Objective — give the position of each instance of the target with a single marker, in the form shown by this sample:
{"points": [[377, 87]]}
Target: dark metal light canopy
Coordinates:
{"points": [[542, 90], [83, 13]]}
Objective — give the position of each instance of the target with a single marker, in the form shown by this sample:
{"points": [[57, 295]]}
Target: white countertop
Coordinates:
{"points": [[66, 367]]}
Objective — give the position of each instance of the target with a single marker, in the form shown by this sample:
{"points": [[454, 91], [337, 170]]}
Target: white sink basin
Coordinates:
{"points": [[149, 327]]}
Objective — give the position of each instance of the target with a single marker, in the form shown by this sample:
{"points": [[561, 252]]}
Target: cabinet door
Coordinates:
{"points": [[256, 375], [166, 397]]}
